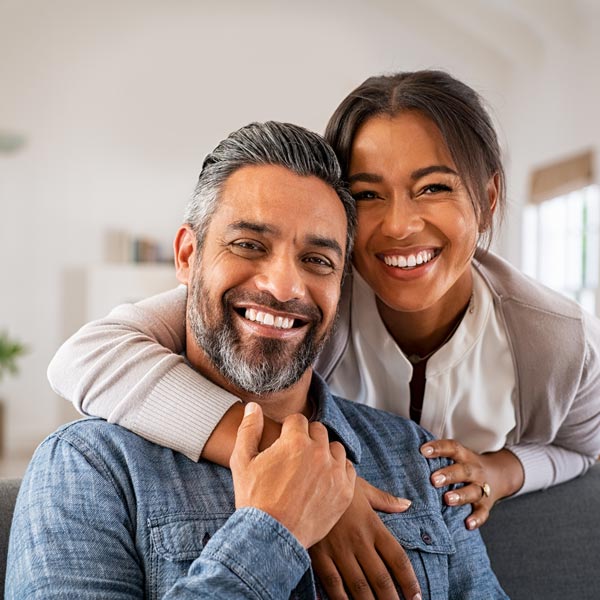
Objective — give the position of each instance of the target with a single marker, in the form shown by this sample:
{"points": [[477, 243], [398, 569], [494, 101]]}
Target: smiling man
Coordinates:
{"points": [[103, 513]]}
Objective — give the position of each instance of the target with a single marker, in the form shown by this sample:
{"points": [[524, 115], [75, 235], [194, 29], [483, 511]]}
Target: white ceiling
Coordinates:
{"points": [[520, 31]]}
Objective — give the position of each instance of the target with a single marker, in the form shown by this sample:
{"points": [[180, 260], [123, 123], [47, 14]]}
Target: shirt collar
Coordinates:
{"points": [[330, 414]]}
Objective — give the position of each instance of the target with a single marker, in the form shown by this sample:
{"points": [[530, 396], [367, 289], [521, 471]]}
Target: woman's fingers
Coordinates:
{"points": [[480, 514], [469, 494]]}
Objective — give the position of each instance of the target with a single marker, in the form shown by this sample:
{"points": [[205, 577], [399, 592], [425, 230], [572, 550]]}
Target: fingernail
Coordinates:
{"points": [[439, 479], [427, 451], [417, 596], [249, 408], [471, 523], [451, 498], [404, 503]]}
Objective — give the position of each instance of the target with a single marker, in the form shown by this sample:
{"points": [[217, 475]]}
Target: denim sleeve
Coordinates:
{"points": [[469, 571], [72, 536], [251, 557]]}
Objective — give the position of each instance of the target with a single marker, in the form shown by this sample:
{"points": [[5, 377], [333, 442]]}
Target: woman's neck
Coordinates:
{"points": [[421, 333]]}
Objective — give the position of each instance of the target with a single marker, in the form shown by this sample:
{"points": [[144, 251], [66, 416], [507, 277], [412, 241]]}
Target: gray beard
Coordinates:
{"points": [[260, 367]]}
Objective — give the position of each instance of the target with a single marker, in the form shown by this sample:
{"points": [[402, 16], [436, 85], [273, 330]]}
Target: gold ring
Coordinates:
{"points": [[485, 488]]}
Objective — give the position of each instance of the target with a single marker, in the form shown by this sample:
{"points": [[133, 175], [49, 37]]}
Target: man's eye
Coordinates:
{"points": [[319, 264], [365, 195], [246, 247]]}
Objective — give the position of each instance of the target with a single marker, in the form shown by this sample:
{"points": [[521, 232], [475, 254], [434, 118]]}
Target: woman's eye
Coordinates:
{"points": [[365, 195], [436, 188]]}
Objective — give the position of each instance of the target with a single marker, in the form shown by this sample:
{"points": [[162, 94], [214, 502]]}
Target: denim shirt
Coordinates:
{"points": [[103, 513]]}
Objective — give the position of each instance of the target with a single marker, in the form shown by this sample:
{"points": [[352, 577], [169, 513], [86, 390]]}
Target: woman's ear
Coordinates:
{"points": [[184, 247], [492, 190]]}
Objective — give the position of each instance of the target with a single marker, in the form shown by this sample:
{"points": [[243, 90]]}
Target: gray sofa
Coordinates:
{"points": [[544, 545]]}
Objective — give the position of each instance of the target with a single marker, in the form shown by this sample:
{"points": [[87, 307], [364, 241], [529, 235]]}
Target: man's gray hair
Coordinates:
{"points": [[272, 143]]}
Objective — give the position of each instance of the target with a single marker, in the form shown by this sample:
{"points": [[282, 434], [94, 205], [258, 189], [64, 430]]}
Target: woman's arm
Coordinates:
{"points": [[127, 368]]}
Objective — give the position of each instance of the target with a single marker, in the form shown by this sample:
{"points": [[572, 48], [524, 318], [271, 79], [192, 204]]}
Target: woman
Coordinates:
{"points": [[431, 326]]}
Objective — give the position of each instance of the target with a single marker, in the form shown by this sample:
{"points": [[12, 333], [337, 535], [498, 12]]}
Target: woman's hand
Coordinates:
{"points": [[487, 477], [362, 555]]}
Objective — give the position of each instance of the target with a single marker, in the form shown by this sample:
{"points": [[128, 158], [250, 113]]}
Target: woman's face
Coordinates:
{"points": [[417, 229]]}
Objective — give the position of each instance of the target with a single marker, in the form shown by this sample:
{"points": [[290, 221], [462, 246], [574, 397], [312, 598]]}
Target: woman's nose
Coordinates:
{"points": [[401, 218]]}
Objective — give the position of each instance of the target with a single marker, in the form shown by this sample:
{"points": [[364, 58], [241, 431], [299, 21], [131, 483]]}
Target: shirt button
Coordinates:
{"points": [[426, 538]]}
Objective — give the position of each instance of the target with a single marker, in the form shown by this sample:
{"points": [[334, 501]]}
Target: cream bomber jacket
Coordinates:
{"points": [[127, 368]]}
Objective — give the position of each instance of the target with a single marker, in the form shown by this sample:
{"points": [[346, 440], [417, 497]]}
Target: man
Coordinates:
{"points": [[104, 513]]}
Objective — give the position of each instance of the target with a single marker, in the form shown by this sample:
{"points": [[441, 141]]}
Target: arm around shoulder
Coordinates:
{"points": [[127, 368]]}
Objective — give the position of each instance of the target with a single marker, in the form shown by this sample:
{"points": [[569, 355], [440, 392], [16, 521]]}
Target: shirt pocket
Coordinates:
{"points": [[428, 543], [177, 540]]}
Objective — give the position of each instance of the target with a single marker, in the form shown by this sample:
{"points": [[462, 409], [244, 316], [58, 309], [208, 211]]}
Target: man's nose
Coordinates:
{"points": [[282, 278], [402, 218]]}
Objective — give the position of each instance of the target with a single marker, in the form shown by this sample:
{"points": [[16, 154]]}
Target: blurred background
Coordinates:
{"points": [[107, 108]]}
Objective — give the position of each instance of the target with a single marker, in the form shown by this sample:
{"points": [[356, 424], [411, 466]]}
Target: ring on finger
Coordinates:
{"points": [[485, 489]]}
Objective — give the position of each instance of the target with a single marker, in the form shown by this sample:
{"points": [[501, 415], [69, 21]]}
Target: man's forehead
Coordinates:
{"points": [[273, 200]]}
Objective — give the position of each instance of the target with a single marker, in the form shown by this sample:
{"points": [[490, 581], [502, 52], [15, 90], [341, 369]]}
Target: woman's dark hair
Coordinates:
{"points": [[455, 108]]}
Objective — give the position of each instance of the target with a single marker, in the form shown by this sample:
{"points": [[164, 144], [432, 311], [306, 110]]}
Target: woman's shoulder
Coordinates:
{"points": [[509, 285]]}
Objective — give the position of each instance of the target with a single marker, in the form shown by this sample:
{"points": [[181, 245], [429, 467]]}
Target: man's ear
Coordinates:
{"points": [[184, 247]]}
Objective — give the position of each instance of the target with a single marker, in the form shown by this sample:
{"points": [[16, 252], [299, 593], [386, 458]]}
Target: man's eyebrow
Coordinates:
{"points": [[366, 177], [252, 226], [325, 242]]}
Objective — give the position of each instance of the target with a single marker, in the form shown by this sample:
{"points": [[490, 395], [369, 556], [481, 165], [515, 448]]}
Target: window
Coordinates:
{"points": [[561, 244], [561, 229]]}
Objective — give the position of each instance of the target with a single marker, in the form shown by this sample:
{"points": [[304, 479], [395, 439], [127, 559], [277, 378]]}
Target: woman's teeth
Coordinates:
{"points": [[410, 261], [265, 318]]}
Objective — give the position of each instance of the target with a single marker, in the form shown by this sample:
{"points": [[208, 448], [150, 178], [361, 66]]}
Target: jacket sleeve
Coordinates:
{"points": [[73, 537], [127, 368], [575, 443]]}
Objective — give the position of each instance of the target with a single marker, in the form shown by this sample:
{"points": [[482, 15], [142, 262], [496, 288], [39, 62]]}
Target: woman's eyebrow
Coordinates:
{"points": [[431, 169]]}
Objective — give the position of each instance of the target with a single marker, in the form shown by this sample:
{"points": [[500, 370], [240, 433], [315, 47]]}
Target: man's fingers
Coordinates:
{"points": [[249, 434], [295, 423], [318, 432], [383, 501]]}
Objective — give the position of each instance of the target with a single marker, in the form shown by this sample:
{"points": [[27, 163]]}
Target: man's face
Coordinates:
{"points": [[265, 287]]}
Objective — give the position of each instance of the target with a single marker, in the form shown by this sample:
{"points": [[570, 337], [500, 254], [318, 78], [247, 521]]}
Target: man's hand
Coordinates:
{"points": [[487, 477], [302, 480], [361, 556]]}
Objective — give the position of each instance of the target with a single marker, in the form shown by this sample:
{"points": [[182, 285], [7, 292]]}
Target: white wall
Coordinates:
{"points": [[120, 100]]}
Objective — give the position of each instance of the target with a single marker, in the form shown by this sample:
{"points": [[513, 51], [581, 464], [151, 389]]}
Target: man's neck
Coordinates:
{"points": [[275, 405]]}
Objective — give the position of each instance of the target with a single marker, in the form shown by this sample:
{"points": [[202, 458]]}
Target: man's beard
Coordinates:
{"points": [[259, 365]]}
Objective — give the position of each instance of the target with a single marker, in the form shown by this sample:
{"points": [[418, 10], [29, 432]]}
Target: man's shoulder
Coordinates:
{"points": [[96, 439], [374, 422]]}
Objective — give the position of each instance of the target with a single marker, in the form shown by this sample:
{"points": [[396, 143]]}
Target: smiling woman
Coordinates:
{"points": [[423, 162]]}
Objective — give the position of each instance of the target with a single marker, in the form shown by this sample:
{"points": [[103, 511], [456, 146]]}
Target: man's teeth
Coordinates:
{"points": [[266, 318], [410, 261]]}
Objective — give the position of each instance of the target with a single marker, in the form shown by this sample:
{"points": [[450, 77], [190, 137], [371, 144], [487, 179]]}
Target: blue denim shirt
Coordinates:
{"points": [[103, 513]]}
